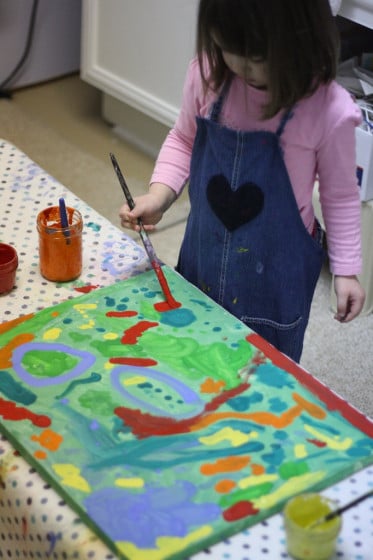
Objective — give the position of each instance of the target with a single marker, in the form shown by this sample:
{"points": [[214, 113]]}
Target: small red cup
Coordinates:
{"points": [[8, 267]]}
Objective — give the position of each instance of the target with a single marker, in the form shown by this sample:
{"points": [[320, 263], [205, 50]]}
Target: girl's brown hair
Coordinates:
{"points": [[297, 38]]}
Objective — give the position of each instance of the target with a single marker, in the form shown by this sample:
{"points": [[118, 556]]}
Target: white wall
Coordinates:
{"points": [[55, 48], [138, 50]]}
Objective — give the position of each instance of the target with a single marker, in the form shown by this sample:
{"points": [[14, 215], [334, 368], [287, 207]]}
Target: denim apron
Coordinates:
{"points": [[245, 243]]}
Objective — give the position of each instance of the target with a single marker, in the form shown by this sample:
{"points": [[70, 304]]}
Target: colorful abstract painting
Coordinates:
{"points": [[168, 430]]}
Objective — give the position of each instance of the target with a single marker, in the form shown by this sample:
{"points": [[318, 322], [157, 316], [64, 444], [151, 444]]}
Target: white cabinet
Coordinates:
{"points": [[360, 11], [138, 50]]}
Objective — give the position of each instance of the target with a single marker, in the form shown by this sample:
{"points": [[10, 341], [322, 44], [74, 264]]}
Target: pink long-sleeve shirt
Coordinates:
{"points": [[318, 142]]}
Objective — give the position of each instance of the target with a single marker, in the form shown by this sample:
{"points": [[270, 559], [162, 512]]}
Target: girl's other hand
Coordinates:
{"points": [[350, 298]]}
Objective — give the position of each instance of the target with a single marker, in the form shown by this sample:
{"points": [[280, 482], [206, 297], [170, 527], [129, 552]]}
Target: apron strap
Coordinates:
{"points": [[284, 119], [218, 104]]}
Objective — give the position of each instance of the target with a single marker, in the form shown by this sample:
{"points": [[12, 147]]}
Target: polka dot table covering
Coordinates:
{"points": [[35, 522]]}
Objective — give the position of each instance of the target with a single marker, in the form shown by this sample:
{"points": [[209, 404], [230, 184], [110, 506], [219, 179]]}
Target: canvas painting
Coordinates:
{"points": [[168, 430]]}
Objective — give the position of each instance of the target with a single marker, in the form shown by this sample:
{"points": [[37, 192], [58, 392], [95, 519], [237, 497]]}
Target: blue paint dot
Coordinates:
{"points": [[150, 295]]}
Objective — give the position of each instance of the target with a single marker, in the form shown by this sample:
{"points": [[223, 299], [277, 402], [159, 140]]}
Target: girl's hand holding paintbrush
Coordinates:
{"points": [[149, 207]]}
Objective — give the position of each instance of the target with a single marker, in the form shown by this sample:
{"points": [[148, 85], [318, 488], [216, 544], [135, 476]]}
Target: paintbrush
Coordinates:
{"points": [[64, 220], [339, 511], [145, 239]]}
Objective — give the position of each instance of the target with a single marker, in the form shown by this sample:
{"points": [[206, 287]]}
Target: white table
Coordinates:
{"points": [[34, 520]]}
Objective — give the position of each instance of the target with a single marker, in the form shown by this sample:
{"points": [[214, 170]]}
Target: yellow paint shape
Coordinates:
{"points": [[333, 443], [52, 334], [235, 437], [82, 307], [135, 380], [110, 336], [165, 545], [295, 485], [88, 325], [249, 481], [129, 482], [70, 476], [300, 451], [108, 366]]}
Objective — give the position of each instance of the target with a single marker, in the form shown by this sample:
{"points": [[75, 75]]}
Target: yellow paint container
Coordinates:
{"points": [[307, 542]]}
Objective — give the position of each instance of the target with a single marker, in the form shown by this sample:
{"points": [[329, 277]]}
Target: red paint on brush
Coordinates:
{"points": [[170, 300]]}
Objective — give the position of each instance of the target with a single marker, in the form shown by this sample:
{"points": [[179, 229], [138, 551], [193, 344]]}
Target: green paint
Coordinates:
{"points": [[14, 390], [246, 495], [79, 337], [42, 363], [292, 468], [98, 402]]}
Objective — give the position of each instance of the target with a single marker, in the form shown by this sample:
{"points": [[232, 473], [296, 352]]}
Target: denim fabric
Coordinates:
{"points": [[264, 270]]}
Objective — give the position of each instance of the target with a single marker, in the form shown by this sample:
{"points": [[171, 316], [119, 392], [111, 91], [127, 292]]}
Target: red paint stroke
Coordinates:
{"points": [[10, 411], [317, 442], [86, 289], [132, 334], [239, 511], [139, 362], [145, 425], [121, 314], [332, 401], [24, 526], [170, 300], [163, 306]]}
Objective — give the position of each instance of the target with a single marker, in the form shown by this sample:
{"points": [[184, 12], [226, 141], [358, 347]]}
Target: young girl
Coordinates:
{"points": [[261, 119]]}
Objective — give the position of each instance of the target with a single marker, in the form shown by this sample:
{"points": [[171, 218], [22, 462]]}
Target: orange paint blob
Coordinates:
{"points": [[49, 439], [41, 455], [312, 409], [4, 327], [226, 464], [224, 486], [212, 386], [257, 469]]}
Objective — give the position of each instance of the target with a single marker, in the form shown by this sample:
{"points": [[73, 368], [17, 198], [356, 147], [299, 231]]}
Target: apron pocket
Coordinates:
{"points": [[287, 338]]}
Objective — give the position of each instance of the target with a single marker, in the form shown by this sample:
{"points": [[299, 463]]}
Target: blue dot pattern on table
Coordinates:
{"points": [[108, 254]]}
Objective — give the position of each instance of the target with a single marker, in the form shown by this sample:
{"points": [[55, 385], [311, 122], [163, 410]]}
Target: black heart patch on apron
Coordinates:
{"points": [[234, 208]]}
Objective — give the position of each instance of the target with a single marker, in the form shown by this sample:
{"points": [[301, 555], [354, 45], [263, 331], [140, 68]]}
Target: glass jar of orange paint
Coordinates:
{"points": [[60, 248]]}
